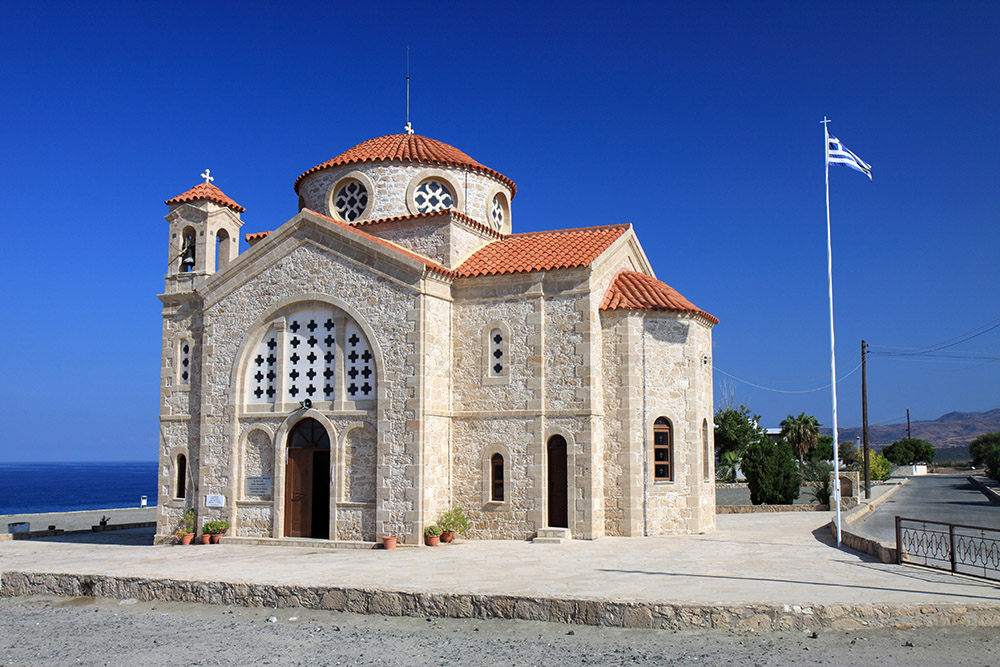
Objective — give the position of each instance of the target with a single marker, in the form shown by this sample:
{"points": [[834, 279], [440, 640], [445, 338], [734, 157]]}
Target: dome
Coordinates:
{"points": [[407, 148]]}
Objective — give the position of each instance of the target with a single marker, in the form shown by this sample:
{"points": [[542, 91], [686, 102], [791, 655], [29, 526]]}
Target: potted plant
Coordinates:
{"points": [[185, 531], [432, 534], [389, 541], [451, 522], [214, 530]]}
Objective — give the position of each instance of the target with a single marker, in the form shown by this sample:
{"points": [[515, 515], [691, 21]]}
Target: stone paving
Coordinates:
{"points": [[765, 570]]}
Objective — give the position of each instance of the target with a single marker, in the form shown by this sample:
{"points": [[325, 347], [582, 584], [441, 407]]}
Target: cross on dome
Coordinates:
{"points": [[208, 176]]}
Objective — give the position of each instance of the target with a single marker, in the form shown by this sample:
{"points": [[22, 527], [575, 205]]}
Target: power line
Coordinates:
{"points": [[805, 381], [788, 391], [955, 340]]}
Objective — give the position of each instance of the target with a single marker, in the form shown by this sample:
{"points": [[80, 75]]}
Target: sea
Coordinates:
{"points": [[29, 488]]}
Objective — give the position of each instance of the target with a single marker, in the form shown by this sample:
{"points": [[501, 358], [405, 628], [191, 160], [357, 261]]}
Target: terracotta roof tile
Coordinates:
{"points": [[256, 236], [206, 192], [406, 148], [541, 251], [637, 291]]}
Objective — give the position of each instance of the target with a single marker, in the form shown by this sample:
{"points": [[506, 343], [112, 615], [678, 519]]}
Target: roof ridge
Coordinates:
{"points": [[570, 230], [206, 192]]}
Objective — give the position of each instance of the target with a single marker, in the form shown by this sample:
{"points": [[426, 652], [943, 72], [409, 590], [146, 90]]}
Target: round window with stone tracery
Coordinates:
{"points": [[497, 213], [351, 200], [432, 196]]}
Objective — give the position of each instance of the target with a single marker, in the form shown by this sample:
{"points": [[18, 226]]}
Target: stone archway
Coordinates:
{"points": [[307, 481]]}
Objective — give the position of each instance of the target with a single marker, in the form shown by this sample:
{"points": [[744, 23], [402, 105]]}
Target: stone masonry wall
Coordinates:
{"points": [[302, 264], [391, 181]]}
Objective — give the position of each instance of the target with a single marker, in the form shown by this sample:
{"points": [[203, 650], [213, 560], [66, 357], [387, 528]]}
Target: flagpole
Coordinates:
{"points": [[833, 360]]}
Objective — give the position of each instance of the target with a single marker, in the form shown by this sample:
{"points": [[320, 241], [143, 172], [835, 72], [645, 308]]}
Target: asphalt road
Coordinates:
{"points": [[947, 498]]}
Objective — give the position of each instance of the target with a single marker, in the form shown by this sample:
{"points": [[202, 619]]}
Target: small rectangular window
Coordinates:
{"points": [[496, 487], [662, 454]]}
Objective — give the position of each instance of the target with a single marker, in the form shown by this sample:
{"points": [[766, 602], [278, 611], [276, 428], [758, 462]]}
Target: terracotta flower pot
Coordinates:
{"points": [[187, 539], [216, 538], [206, 538], [432, 540], [389, 541], [447, 536]]}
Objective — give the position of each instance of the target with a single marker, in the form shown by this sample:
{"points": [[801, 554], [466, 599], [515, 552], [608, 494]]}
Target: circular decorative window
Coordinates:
{"points": [[432, 196], [497, 213], [351, 200]]}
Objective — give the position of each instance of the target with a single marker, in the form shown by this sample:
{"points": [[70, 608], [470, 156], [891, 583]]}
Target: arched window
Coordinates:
{"points": [[222, 249], [663, 451], [180, 480], [496, 478], [313, 338], [707, 454]]}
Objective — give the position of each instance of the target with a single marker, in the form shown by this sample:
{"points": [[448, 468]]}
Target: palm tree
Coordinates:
{"points": [[801, 432]]}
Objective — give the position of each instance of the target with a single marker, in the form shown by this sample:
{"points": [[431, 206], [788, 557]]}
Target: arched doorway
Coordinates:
{"points": [[307, 481], [558, 483]]}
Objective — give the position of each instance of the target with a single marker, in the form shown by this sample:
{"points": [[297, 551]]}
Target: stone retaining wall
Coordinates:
{"points": [[623, 614]]}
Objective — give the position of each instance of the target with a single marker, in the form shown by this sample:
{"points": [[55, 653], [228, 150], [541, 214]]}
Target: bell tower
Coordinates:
{"points": [[204, 234]]}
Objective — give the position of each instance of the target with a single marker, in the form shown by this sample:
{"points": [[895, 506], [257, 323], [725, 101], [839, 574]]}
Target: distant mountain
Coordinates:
{"points": [[954, 429]]}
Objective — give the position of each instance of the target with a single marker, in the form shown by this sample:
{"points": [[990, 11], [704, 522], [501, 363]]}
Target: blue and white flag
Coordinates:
{"points": [[836, 153]]}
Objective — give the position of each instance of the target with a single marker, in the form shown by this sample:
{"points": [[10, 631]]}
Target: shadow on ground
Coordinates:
{"points": [[132, 537]]}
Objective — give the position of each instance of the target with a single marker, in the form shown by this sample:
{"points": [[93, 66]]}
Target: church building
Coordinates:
{"points": [[397, 349]]}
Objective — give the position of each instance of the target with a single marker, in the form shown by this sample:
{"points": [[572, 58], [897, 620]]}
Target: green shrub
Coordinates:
{"points": [[985, 451], [432, 530], [909, 451], [186, 524], [879, 467], [215, 527], [771, 472], [454, 520], [817, 477]]}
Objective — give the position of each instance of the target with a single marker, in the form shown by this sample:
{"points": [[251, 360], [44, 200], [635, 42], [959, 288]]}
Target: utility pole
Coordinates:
{"points": [[864, 416], [907, 423]]}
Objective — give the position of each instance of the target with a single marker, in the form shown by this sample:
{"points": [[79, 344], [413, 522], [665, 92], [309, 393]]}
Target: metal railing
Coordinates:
{"points": [[969, 550]]}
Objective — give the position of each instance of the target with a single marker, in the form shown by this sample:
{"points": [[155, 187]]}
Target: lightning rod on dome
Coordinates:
{"points": [[208, 176], [409, 127]]}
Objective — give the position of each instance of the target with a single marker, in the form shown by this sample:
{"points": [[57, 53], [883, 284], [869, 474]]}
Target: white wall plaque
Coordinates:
{"points": [[215, 500], [259, 486]]}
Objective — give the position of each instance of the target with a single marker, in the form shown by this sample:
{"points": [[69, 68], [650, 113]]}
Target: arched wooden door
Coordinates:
{"points": [[558, 482], [307, 481]]}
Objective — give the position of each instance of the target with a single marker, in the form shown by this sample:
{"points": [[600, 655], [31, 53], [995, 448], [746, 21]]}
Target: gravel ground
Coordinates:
{"points": [[84, 631]]}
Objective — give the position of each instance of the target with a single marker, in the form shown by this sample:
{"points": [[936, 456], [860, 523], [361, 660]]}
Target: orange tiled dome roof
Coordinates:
{"points": [[636, 291], [206, 192], [406, 148]]}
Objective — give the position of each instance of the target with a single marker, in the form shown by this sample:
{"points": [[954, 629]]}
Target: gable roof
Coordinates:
{"points": [[637, 291], [432, 266], [541, 251], [206, 192], [406, 148]]}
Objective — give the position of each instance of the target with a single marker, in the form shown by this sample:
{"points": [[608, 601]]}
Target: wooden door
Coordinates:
{"points": [[298, 493], [558, 482]]}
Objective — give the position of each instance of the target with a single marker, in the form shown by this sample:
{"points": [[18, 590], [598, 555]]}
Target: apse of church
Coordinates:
{"points": [[396, 349]]}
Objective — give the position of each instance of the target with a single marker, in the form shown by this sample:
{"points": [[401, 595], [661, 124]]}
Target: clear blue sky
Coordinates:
{"points": [[699, 123]]}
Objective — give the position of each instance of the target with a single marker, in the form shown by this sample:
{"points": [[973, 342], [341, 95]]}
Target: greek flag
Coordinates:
{"points": [[836, 153]]}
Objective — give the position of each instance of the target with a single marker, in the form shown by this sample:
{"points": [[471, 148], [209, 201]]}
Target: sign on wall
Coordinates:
{"points": [[259, 486], [215, 500]]}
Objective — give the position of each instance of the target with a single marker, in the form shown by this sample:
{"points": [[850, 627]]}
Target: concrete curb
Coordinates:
{"points": [[622, 613], [866, 545], [992, 495]]}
